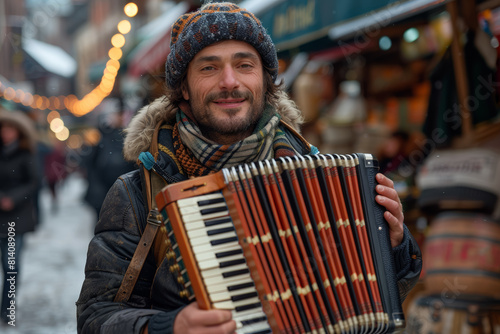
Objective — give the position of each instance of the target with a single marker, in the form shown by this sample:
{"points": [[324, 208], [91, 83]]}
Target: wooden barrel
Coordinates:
{"points": [[431, 314], [462, 256]]}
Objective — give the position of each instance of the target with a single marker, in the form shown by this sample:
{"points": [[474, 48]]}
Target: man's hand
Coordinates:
{"points": [[389, 198], [192, 319]]}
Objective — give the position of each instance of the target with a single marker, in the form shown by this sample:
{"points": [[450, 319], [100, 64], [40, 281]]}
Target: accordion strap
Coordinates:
{"points": [[140, 254], [152, 183]]}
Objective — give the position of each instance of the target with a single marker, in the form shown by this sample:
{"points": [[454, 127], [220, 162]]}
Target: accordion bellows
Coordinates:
{"points": [[292, 245]]}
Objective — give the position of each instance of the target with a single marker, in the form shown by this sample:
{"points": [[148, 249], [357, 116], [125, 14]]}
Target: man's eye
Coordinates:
{"points": [[208, 68]]}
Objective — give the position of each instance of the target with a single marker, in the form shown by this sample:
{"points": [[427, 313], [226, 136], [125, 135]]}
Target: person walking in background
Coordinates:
{"points": [[106, 162], [55, 170], [18, 189]]}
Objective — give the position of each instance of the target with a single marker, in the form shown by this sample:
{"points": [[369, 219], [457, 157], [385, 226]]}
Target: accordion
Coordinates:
{"points": [[289, 245]]}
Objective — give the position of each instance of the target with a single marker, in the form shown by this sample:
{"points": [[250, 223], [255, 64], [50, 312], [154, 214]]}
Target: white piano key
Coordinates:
{"points": [[226, 295], [194, 200], [202, 224], [244, 315], [210, 248], [214, 281], [200, 240], [204, 231], [215, 263], [254, 328], [230, 305], [227, 284], [197, 216], [208, 256], [220, 271], [247, 315], [186, 210]]}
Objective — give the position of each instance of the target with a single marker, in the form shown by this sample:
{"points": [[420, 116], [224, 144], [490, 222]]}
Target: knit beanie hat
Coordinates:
{"points": [[212, 23]]}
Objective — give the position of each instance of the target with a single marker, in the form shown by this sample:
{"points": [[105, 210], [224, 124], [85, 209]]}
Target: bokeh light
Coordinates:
{"points": [[385, 43], [63, 134], [115, 53], [52, 115], [56, 125], [124, 27], [411, 35], [131, 9], [118, 40]]}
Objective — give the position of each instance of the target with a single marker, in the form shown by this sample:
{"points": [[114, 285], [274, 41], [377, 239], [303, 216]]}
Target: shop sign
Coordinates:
{"points": [[292, 23]]}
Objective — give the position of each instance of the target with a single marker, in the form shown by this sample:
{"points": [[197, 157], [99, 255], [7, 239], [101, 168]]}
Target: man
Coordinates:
{"points": [[221, 109]]}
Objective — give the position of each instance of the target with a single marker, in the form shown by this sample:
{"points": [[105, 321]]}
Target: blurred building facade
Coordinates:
{"points": [[12, 16]]}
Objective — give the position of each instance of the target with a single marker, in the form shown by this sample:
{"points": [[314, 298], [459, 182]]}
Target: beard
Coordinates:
{"points": [[233, 122]]}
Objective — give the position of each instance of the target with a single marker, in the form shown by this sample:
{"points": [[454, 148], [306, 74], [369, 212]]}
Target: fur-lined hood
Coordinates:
{"points": [[141, 128], [26, 126]]}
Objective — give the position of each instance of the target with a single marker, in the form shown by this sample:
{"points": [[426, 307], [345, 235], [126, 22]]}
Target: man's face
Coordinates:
{"points": [[225, 89]]}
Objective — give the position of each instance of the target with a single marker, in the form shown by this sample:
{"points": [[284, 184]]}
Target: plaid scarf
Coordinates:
{"points": [[200, 156]]}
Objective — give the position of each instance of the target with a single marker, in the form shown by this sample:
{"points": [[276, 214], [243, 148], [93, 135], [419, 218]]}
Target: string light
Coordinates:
{"points": [[91, 100], [131, 9], [124, 27]]}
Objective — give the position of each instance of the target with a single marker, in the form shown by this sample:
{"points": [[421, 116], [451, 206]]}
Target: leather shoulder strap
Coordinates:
{"points": [[153, 184], [140, 254]]}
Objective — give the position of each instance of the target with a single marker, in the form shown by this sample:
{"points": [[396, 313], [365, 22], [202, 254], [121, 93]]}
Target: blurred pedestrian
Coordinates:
{"points": [[106, 161], [55, 170], [18, 189]]}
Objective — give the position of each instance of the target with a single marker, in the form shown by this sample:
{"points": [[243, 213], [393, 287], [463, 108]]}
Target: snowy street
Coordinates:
{"points": [[52, 263]]}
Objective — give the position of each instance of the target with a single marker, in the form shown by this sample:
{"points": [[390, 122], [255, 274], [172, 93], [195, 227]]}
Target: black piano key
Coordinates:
{"points": [[235, 273], [226, 264], [223, 241], [217, 221], [240, 286], [229, 253], [244, 296], [253, 321], [265, 331], [213, 210], [220, 230], [247, 307], [211, 201]]}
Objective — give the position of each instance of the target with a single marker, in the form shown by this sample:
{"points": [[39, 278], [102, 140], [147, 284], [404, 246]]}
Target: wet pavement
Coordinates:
{"points": [[53, 260]]}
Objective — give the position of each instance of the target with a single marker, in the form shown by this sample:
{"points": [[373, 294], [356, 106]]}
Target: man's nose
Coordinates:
{"points": [[229, 78]]}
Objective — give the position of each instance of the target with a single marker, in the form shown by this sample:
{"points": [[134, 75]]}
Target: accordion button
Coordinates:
{"points": [[184, 294], [170, 255]]}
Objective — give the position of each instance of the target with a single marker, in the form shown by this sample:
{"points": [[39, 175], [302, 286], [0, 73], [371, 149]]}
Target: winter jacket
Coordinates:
{"points": [[19, 176], [156, 297]]}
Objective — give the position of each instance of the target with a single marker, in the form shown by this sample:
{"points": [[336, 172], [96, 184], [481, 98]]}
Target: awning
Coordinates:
{"points": [[258, 7], [295, 23], [153, 51], [52, 58]]}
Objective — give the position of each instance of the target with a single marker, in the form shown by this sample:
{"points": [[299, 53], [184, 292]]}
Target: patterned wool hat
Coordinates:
{"points": [[212, 23]]}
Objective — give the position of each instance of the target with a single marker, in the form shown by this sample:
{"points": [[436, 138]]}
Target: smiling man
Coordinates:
{"points": [[225, 89], [221, 108]]}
